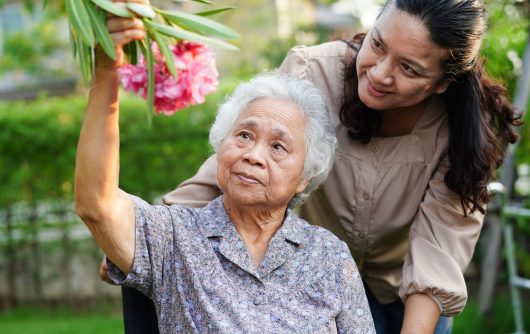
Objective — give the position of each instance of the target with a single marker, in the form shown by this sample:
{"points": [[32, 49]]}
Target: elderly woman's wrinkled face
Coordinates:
{"points": [[261, 160]]}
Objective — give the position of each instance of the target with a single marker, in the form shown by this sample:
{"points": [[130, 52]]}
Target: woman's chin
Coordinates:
{"points": [[246, 198]]}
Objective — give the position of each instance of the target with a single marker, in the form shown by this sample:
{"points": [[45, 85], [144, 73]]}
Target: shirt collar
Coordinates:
{"points": [[217, 223]]}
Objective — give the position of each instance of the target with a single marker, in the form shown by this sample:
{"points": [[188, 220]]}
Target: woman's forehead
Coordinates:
{"points": [[272, 107], [280, 113]]}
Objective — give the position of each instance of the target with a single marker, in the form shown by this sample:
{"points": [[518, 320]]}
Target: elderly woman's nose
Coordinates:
{"points": [[255, 154]]}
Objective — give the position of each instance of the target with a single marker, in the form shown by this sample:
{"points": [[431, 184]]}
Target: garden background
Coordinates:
{"points": [[48, 261]]}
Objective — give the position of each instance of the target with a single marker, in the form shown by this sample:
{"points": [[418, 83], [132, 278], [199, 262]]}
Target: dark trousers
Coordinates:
{"points": [[139, 314]]}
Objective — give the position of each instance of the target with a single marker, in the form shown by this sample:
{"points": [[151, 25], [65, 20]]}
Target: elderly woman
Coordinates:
{"points": [[245, 263]]}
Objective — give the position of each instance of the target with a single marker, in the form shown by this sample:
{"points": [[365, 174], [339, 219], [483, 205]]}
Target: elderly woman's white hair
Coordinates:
{"points": [[320, 140]]}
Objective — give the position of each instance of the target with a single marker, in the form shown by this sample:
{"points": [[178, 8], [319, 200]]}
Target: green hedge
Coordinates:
{"points": [[38, 141]]}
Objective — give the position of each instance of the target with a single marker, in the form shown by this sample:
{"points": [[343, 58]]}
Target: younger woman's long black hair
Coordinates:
{"points": [[481, 117]]}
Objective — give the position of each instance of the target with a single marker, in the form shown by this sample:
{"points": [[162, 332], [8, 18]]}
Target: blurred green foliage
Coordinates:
{"points": [[38, 142], [502, 49], [31, 49], [506, 39], [28, 50]]}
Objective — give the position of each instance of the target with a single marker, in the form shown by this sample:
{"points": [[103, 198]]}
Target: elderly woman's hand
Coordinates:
{"points": [[103, 272], [122, 31]]}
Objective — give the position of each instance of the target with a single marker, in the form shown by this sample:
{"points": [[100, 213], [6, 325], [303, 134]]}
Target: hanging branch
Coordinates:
{"points": [[164, 27]]}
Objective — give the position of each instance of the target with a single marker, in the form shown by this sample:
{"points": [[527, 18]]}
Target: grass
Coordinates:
{"points": [[62, 320], [107, 318]]}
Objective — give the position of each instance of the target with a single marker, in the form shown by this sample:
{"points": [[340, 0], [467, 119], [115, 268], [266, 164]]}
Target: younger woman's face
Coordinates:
{"points": [[398, 65]]}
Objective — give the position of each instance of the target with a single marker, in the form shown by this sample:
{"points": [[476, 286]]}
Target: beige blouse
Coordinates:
{"points": [[386, 199]]}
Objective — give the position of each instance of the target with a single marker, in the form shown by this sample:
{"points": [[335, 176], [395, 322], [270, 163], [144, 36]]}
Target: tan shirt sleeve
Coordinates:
{"points": [[199, 190], [295, 63], [442, 241]]}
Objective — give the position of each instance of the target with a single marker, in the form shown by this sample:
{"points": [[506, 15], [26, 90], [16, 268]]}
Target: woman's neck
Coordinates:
{"points": [[256, 226], [400, 121]]}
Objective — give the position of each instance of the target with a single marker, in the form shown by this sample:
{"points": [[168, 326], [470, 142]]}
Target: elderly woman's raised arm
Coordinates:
{"points": [[106, 210]]}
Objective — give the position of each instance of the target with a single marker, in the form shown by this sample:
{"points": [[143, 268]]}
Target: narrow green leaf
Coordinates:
{"points": [[166, 52], [200, 1], [134, 52], [142, 10], [116, 8], [131, 50], [180, 33], [204, 1], [200, 24], [92, 62], [215, 11], [150, 80], [83, 52], [78, 17], [73, 43], [102, 34], [142, 48], [44, 4]]}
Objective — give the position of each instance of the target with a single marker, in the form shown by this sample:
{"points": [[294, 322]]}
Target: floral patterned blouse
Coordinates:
{"points": [[197, 270]]}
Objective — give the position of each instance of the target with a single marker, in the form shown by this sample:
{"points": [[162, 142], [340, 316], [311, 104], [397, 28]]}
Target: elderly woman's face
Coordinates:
{"points": [[261, 160]]}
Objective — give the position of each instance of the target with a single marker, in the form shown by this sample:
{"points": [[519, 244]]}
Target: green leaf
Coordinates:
{"points": [[102, 34], [141, 9], [131, 50], [78, 17], [180, 33], [215, 11], [150, 80], [73, 43], [200, 24], [142, 48], [116, 8], [85, 57], [166, 52], [200, 1]]}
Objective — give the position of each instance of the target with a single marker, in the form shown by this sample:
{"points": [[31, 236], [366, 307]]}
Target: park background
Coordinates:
{"points": [[48, 261]]}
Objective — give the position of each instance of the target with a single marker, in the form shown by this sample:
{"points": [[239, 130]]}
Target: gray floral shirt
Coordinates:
{"points": [[196, 268]]}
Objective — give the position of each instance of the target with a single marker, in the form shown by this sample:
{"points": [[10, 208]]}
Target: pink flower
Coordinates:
{"points": [[197, 77]]}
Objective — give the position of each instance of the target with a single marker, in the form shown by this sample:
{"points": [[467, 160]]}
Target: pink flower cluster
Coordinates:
{"points": [[197, 77]]}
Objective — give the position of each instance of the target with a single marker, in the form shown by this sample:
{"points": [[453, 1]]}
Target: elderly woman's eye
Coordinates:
{"points": [[279, 147], [244, 135]]}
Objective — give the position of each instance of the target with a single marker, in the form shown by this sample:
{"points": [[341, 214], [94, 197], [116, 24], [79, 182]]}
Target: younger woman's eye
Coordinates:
{"points": [[409, 69], [376, 44]]}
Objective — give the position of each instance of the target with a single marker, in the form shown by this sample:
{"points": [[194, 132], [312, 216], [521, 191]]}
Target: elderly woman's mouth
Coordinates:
{"points": [[247, 178]]}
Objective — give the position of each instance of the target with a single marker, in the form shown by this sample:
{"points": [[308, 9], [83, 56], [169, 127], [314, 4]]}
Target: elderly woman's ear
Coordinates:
{"points": [[302, 186]]}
